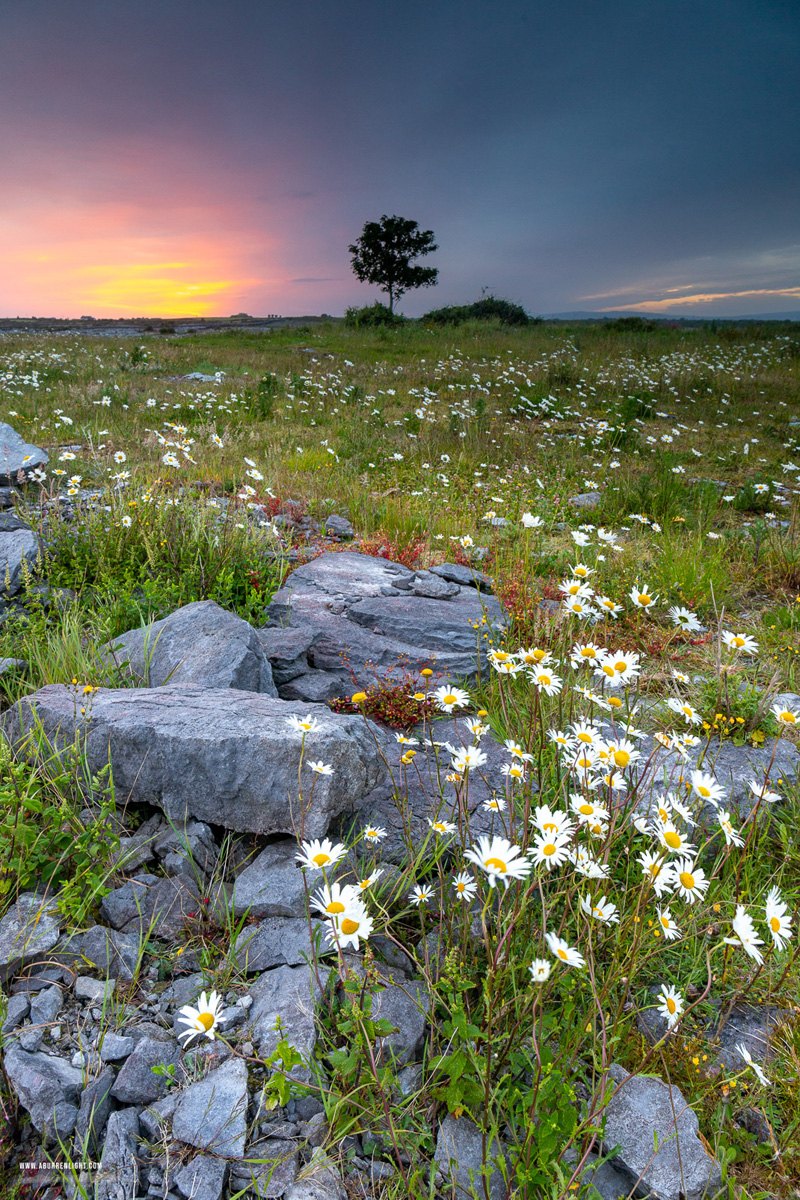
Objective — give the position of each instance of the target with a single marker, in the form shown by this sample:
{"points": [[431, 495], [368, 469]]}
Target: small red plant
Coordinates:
{"points": [[394, 547]]}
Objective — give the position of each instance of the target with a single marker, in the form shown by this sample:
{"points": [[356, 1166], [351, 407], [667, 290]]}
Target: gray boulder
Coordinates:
{"points": [[585, 500], [287, 650], [268, 1170], [319, 1180], [732, 766], [118, 1177], [27, 931], [643, 1108], [224, 756], [44, 1009], [202, 1179], [288, 994], [273, 885], [405, 1004], [114, 954], [199, 644], [350, 608], [275, 942], [19, 555], [339, 527], [212, 1114], [48, 1088], [137, 1083], [752, 1025], [464, 576], [17, 455], [163, 906], [93, 1114], [460, 1157]]}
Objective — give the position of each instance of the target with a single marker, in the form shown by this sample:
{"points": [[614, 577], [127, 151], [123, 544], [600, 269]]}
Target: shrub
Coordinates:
{"points": [[371, 316], [488, 308]]}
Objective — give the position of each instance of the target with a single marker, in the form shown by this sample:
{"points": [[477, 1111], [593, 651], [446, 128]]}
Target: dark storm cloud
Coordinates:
{"points": [[579, 155]]}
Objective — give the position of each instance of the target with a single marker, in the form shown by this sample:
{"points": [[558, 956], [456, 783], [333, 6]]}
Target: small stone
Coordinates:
{"points": [[272, 886], [459, 1156], [269, 1169], [44, 1009], [137, 1083], [93, 1114], [118, 1177], [339, 527], [433, 586], [273, 942], [585, 500], [212, 1114], [17, 1009], [202, 1179], [28, 930], [98, 990], [47, 1087], [115, 954], [114, 1047], [156, 1117], [320, 1180]]}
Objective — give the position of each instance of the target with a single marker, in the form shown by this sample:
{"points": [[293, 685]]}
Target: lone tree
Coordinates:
{"points": [[385, 252]]}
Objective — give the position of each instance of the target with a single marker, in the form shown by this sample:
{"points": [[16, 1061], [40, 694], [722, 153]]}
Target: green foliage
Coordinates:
{"points": [[167, 557], [372, 316], [384, 254], [43, 840], [488, 308]]}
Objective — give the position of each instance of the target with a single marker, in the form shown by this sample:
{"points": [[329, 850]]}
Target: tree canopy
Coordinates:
{"points": [[385, 253]]}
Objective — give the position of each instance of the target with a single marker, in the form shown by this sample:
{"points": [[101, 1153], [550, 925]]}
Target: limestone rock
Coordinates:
{"points": [[459, 1156], [19, 554], [118, 1176], [289, 993], [95, 1109], [27, 931], [223, 756], [339, 527], [136, 1082], [48, 1087], [17, 455], [642, 1107], [275, 942], [269, 1168], [272, 885], [199, 644], [212, 1114], [585, 500], [319, 1180], [202, 1179]]}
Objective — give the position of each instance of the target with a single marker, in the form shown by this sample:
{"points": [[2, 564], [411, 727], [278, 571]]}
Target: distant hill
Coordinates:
{"points": [[584, 315]]}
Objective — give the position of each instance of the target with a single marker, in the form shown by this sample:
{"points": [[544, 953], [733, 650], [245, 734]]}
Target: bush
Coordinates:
{"points": [[488, 308], [371, 316]]}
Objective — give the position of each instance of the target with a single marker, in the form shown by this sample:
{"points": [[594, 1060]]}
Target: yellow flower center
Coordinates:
{"points": [[206, 1019], [321, 858], [349, 926], [665, 922], [615, 702], [449, 699], [774, 924], [673, 839], [562, 954], [738, 642], [655, 870], [608, 670], [551, 825], [545, 680], [587, 652], [671, 1006], [595, 828], [687, 880], [620, 665], [686, 710], [461, 887], [586, 810], [585, 737], [539, 655], [788, 718], [497, 864], [622, 758], [704, 791], [335, 906], [549, 849], [581, 572], [644, 598]]}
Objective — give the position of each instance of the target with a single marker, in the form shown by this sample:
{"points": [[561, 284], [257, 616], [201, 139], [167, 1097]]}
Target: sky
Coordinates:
{"points": [[207, 157]]}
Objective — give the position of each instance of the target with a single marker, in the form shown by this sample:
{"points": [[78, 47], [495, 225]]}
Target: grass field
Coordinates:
{"points": [[467, 444]]}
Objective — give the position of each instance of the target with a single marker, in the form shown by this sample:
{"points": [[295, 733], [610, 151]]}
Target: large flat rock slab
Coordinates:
{"points": [[199, 643], [350, 620], [218, 754]]}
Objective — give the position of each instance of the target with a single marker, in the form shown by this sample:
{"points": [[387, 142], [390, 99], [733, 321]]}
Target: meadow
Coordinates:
{"points": [[669, 605]]}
